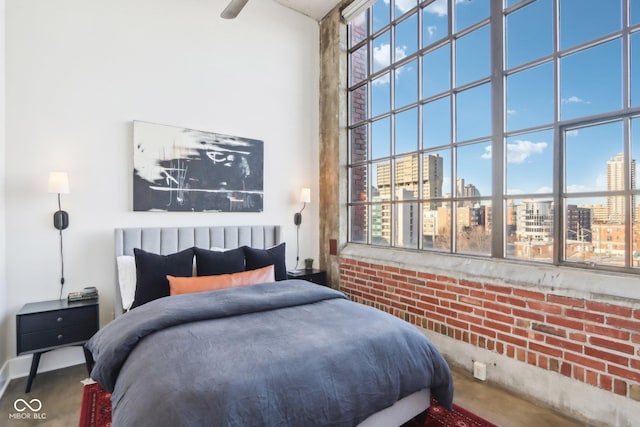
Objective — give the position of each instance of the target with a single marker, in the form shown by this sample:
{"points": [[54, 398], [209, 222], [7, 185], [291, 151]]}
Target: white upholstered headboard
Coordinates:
{"points": [[168, 240]]}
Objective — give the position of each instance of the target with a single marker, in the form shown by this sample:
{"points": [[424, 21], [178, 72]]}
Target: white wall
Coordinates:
{"points": [[4, 327], [79, 71]]}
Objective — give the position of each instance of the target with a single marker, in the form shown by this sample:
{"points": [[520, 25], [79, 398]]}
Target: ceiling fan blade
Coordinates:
{"points": [[233, 9]]}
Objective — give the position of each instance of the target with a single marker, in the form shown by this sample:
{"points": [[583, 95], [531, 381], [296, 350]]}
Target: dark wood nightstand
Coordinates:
{"points": [[316, 276], [47, 325]]}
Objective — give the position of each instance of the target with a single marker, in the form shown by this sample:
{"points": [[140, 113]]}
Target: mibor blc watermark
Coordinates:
{"points": [[28, 410]]}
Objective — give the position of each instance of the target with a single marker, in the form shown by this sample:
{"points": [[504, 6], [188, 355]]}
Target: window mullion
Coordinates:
{"points": [[497, 140]]}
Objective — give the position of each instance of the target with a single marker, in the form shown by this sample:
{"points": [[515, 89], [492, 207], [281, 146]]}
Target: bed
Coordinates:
{"points": [[280, 353]]}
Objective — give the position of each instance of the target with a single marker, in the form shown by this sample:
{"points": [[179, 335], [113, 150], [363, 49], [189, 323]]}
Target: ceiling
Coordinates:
{"points": [[316, 9]]}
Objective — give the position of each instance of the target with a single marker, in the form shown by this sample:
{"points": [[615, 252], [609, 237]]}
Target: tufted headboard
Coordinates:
{"points": [[168, 240]]}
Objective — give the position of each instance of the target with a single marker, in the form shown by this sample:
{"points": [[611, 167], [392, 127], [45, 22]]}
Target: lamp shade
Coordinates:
{"points": [[58, 183], [305, 195]]}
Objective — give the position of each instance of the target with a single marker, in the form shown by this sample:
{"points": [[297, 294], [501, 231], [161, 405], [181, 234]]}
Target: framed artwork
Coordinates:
{"points": [[178, 169]]}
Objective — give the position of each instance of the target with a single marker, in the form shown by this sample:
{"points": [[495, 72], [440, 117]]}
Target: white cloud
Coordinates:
{"points": [[574, 100], [404, 5], [572, 133], [381, 59], [519, 151], [431, 29], [438, 7], [544, 190], [578, 188], [511, 112], [487, 152]]}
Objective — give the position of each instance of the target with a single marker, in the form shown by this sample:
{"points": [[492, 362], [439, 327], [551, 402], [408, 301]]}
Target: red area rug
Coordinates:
{"points": [[96, 412], [96, 407], [437, 416]]}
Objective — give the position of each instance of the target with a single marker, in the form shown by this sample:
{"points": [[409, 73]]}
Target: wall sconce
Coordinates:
{"points": [[59, 184], [305, 197]]}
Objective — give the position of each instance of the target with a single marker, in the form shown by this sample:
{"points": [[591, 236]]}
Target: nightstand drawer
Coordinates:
{"points": [[56, 337], [57, 319]]}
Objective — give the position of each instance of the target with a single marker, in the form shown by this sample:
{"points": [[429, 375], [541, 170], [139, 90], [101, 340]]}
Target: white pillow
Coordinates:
{"points": [[127, 279]]}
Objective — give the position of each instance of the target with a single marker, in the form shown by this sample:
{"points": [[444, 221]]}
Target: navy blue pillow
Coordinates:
{"points": [[152, 270], [211, 263], [258, 258]]}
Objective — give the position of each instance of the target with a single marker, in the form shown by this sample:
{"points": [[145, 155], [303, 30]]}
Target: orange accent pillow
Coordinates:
{"points": [[187, 285]]}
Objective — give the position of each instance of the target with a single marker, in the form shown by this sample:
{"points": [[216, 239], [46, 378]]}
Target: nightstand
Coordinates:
{"points": [[316, 276], [47, 325]]}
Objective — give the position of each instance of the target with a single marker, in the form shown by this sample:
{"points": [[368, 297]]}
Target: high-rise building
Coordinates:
{"points": [[616, 182], [407, 177]]}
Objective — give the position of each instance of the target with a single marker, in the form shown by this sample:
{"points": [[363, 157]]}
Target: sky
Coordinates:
{"points": [[591, 82]]}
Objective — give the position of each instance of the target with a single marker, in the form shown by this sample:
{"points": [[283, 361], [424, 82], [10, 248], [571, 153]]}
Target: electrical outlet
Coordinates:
{"points": [[480, 371]]}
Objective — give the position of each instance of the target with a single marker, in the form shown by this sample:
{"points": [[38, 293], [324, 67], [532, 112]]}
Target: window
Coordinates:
{"points": [[536, 162]]}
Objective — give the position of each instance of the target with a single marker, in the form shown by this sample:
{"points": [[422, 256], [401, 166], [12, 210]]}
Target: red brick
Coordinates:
{"points": [[446, 311], [619, 387], [470, 284], [532, 315], [458, 289], [578, 373], [624, 373], [482, 331], [409, 273], [554, 365], [544, 307], [543, 361], [512, 301], [497, 307], [596, 365], [636, 313], [512, 340], [482, 295], [564, 344], [545, 349], [529, 294], [436, 285], [635, 338], [446, 279], [612, 345], [470, 319], [511, 351], [500, 318], [609, 308], [471, 301], [578, 337], [584, 315], [497, 326], [391, 269], [623, 323], [548, 330], [428, 276], [457, 324], [606, 382], [607, 332], [498, 289], [532, 359], [592, 378], [461, 307], [565, 369], [521, 323], [560, 299], [566, 323], [520, 354], [614, 358]]}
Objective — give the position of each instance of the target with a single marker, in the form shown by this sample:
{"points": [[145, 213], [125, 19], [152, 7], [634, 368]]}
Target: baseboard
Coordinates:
{"points": [[56, 359]]}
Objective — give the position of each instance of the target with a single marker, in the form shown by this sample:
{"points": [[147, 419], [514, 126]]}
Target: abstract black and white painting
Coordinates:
{"points": [[178, 169]]}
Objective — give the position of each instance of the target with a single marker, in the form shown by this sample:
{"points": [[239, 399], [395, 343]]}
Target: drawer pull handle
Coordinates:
{"points": [[60, 336], [59, 319]]}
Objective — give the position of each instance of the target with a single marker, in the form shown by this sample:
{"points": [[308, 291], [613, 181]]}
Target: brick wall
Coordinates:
{"points": [[592, 342]]}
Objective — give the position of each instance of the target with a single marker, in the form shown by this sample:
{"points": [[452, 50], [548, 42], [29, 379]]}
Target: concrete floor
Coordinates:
{"points": [[60, 392]]}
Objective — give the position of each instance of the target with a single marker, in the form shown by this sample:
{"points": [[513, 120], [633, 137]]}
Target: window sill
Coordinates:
{"points": [[561, 280]]}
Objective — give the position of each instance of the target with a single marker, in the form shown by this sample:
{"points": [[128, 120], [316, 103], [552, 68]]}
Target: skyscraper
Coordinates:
{"points": [[615, 182]]}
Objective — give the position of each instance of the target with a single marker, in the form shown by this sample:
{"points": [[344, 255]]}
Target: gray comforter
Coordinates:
{"points": [[289, 353]]}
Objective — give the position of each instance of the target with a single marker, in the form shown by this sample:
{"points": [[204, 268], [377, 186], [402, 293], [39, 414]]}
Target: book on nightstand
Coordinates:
{"points": [[83, 295]]}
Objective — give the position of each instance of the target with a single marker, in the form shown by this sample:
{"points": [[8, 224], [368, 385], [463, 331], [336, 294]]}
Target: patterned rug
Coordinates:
{"points": [[96, 407], [437, 416], [96, 412]]}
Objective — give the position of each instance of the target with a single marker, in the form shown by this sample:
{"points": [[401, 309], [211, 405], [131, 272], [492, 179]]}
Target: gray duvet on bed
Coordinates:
{"points": [[288, 353]]}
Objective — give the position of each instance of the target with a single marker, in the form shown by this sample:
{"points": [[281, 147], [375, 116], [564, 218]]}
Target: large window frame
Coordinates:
{"points": [[372, 216]]}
